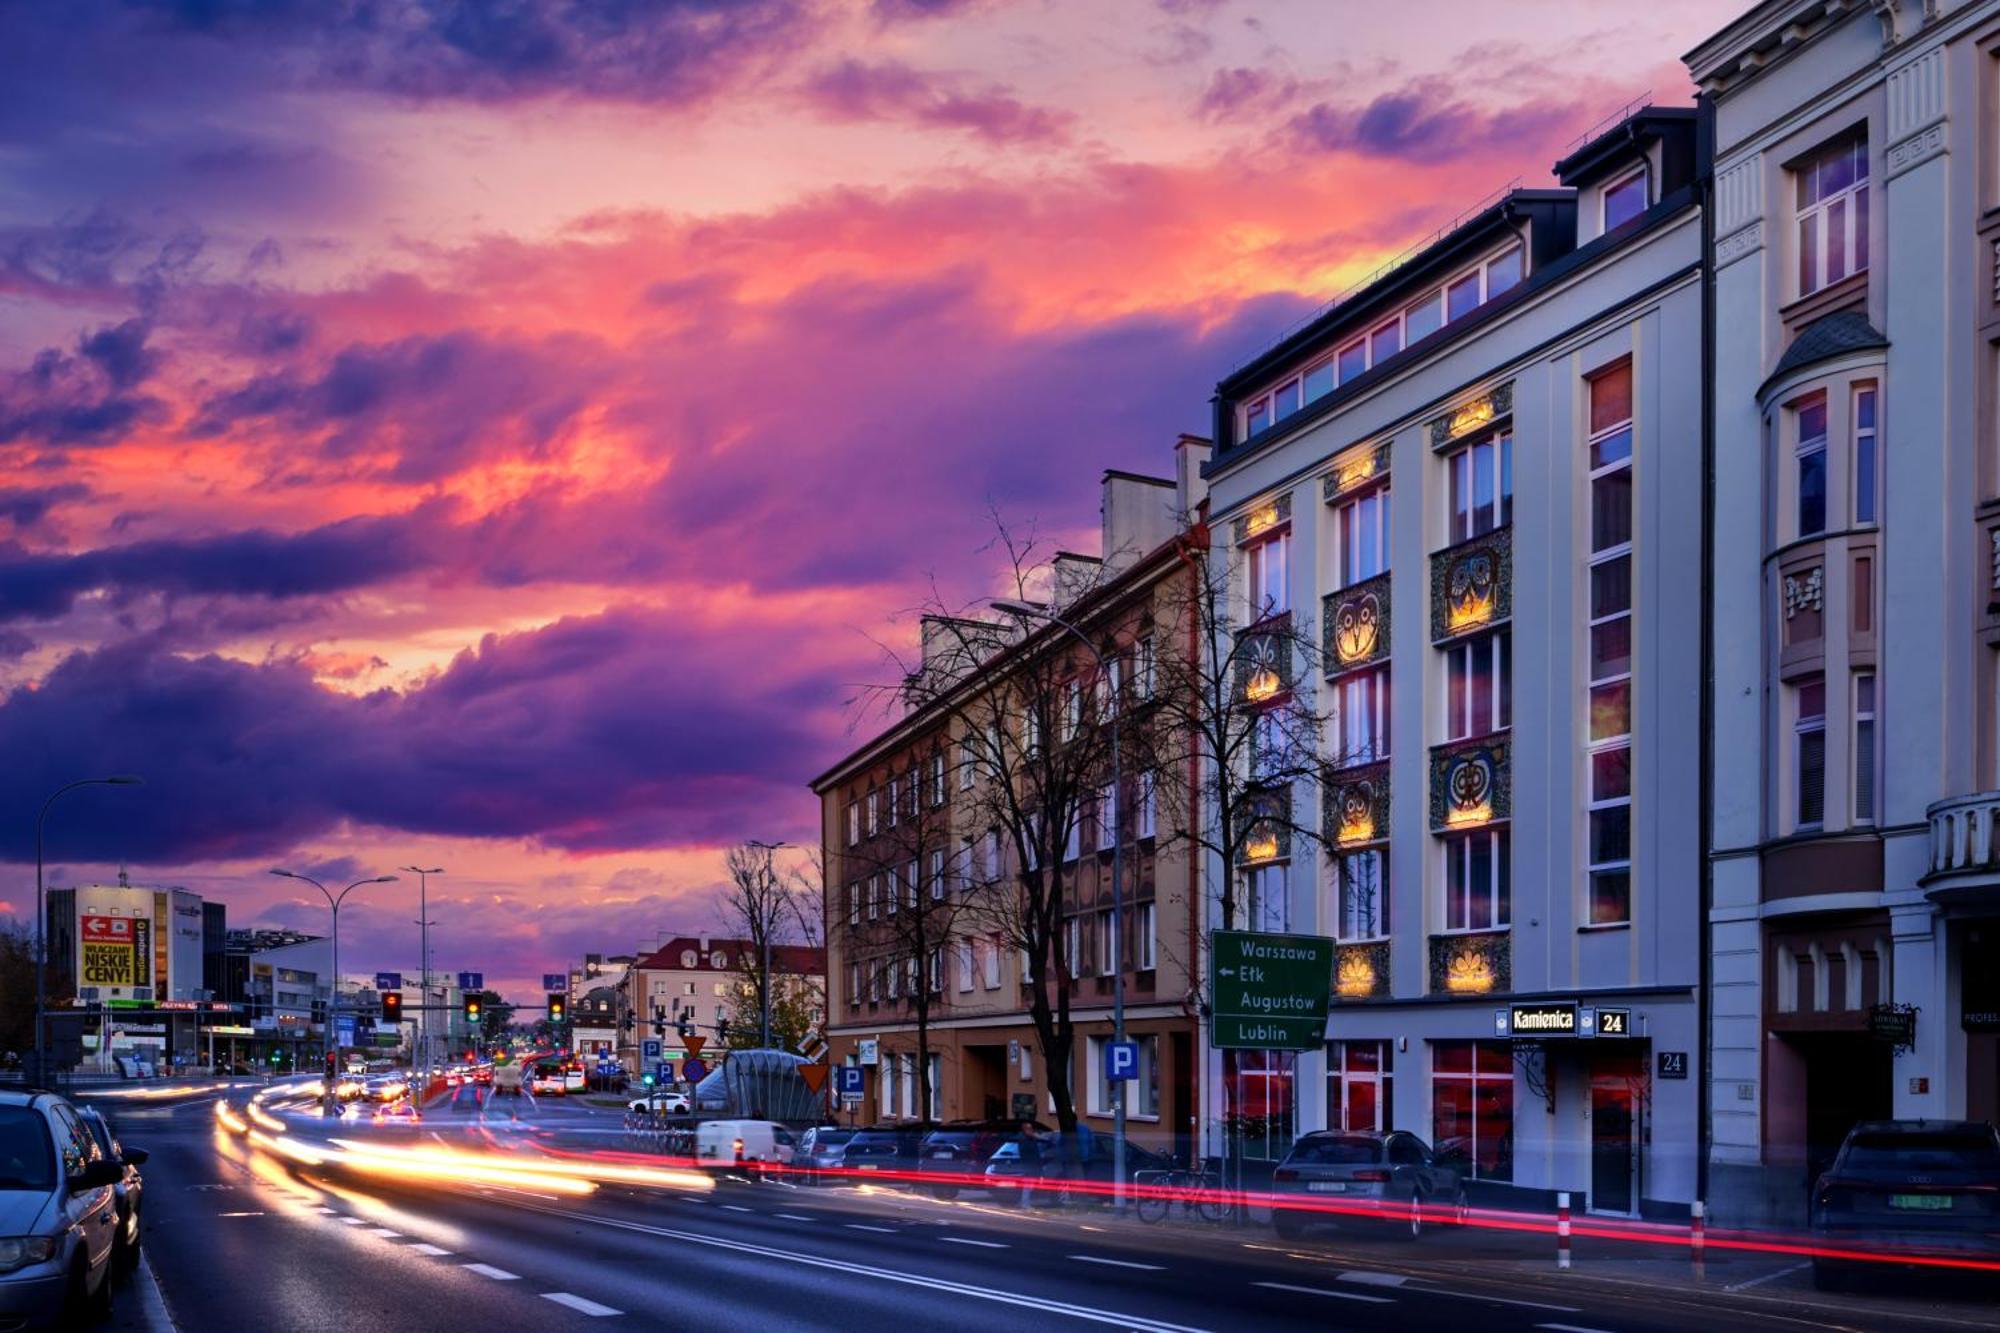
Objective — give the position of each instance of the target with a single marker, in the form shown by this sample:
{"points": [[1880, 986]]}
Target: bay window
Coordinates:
{"points": [[1865, 460], [1809, 455], [1864, 747]]}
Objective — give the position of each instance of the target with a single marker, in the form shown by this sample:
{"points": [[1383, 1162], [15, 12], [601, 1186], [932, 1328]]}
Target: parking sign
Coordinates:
{"points": [[1121, 1060], [851, 1082], [663, 1072], [649, 1050]]}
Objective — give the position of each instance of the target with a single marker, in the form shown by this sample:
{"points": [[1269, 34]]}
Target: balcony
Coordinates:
{"points": [[1965, 850], [1472, 585], [1472, 783], [1476, 964], [1357, 625]]}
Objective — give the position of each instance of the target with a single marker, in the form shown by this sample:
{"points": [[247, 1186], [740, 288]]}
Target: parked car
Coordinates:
{"points": [[128, 1191], [723, 1143], [884, 1147], [1394, 1175], [1041, 1168], [1923, 1186], [661, 1103], [58, 1213], [547, 1078], [962, 1148], [821, 1151]]}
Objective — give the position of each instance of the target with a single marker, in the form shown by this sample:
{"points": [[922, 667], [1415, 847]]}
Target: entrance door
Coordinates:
{"points": [[1614, 1145]]}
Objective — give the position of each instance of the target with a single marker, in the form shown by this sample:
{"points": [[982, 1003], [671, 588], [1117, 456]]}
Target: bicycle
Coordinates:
{"points": [[1199, 1193]]}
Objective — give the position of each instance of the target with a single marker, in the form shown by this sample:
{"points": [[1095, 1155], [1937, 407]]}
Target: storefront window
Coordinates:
{"points": [[1359, 1085], [1261, 1109], [1472, 1107]]}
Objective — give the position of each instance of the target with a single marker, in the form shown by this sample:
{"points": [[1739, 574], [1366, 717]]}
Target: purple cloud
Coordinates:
{"points": [[1242, 91], [26, 506], [84, 399], [854, 90], [1425, 123]]}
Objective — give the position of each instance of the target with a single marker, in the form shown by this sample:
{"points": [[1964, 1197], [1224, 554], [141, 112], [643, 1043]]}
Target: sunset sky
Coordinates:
{"points": [[502, 436]]}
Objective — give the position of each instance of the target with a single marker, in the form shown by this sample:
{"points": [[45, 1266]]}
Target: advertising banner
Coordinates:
{"points": [[110, 952]]}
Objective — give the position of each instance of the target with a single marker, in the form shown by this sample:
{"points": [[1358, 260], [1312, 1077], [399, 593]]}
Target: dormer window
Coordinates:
{"points": [[1625, 198]]}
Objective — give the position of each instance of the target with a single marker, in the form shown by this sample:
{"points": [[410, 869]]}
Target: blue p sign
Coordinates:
{"points": [[1121, 1060], [852, 1082]]}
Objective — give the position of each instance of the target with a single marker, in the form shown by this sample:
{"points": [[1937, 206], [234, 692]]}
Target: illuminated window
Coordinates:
{"points": [[1361, 717], [1625, 199], [1358, 1086], [1472, 1108], [1833, 213], [1477, 884], [1609, 798], [1479, 688], [1267, 564], [1482, 486], [1361, 536]]}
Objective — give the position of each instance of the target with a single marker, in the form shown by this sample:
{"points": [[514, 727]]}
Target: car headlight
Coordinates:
{"points": [[20, 1251]]}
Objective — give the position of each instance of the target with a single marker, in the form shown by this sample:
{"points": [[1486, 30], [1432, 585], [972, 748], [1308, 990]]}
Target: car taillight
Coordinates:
{"points": [[1370, 1175], [1284, 1173]]}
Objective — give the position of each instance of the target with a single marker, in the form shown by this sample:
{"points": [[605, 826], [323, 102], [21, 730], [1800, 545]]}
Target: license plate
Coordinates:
{"points": [[1327, 1186], [867, 1166], [1925, 1202], [942, 1156]]}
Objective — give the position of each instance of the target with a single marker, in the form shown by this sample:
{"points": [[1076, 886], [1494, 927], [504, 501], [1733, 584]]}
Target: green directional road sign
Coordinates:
{"points": [[1269, 991]]}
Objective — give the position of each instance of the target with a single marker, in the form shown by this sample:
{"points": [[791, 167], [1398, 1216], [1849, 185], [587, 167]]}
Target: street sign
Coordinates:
{"points": [[388, 981], [868, 1050], [1121, 1060], [694, 1044], [694, 1070], [554, 981], [1674, 1064], [852, 1081], [472, 981], [663, 1071], [1270, 992], [649, 1049], [814, 1075]]}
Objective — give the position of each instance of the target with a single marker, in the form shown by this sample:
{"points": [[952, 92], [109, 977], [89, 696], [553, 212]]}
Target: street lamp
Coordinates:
{"points": [[333, 901], [1028, 610], [42, 914], [769, 849], [424, 924]]}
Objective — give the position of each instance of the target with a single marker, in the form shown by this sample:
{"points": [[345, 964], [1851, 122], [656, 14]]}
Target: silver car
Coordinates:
{"points": [[58, 1213], [1391, 1176], [129, 1190]]}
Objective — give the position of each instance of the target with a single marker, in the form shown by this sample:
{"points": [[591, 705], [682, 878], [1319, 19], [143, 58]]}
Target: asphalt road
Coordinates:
{"points": [[241, 1238]]}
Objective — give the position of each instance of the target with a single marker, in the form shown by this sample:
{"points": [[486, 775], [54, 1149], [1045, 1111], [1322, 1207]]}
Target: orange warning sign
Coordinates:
{"points": [[693, 1044], [814, 1075]]}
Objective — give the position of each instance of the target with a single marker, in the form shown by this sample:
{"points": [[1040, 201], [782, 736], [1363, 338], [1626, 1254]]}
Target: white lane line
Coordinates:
{"points": [[1090, 1313], [579, 1304], [966, 1240], [1571, 1328], [355, 1221], [383, 1231], [863, 1226], [1759, 1281], [330, 1212], [1367, 1279], [488, 1270], [1322, 1291], [737, 1208], [1115, 1263], [793, 1217], [1500, 1300], [434, 1251]]}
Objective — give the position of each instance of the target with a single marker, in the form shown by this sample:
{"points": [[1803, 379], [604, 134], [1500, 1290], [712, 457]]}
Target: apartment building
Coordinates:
{"points": [[1478, 480], [921, 882], [1856, 913], [691, 979]]}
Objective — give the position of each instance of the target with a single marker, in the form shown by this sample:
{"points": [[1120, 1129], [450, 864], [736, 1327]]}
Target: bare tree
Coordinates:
{"points": [[769, 909]]}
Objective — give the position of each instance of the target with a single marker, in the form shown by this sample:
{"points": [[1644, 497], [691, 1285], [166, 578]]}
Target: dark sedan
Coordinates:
{"points": [[961, 1149], [1394, 1176], [883, 1148], [127, 1191], [1908, 1186], [1038, 1168]]}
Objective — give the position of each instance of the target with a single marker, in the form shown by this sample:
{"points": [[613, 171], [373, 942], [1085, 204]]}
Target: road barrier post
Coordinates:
{"points": [[1562, 1229], [1697, 1237]]}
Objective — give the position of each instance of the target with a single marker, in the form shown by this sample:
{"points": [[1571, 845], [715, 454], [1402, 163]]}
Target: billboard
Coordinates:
{"points": [[114, 951]]}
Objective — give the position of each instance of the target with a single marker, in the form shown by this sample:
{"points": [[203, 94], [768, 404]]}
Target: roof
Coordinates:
{"points": [[800, 959], [1620, 140], [1826, 338]]}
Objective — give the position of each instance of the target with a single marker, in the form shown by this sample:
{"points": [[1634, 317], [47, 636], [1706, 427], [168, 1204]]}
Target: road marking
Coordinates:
{"points": [[239, 1214], [966, 1240], [488, 1270], [383, 1231], [434, 1251], [1367, 1279], [737, 1208], [1084, 1312], [1570, 1328], [1322, 1291], [863, 1226], [355, 1221], [1113, 1263], [579, 1304], [793, 1217], [330, 1212], [1500, 1300], [1759, 1281]]}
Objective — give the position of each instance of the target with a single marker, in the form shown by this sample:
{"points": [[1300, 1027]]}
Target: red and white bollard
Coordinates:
{"points": [[1562, 1229], [1697, 1232]]}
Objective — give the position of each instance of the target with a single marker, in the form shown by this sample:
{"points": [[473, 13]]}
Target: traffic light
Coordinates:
{"points": [[275, 1056], [332, 1065], [473, 1008], [558, 1008], [646, 1079], [392, 1006], [684, 1024]]}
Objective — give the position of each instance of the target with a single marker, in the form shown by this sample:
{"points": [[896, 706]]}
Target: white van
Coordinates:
{"points": [[726, 1142]]}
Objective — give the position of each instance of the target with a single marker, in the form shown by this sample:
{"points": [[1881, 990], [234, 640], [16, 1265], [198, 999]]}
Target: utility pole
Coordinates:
{"points": [[424, 923]]}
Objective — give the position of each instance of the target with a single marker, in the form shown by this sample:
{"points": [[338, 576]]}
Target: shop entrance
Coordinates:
{"points": [[1618, 1095]]}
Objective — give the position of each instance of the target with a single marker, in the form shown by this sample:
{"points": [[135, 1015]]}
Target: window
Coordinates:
{"points": [[1482, 486], [1864, 747], [992, 964], [1319, 381], [937, 875], [1073, 945], [892, 978], [910, 883], [1865, 461], [1071, 842], [1264, 897], [895, 793], [1284, 400], [1810, 453], [1266, 563], [1146, 936], [1472, 1108], [1609, 803], [1385, 342], [893, 891], [1361, 717], [1257, 417], [1461, 298], [1476, 887], [1144, 669], [937, 777], [1142, 1094], [1503, 273], [1833, 214], [992, 862], [1107, 819], [1072, 709], [1353, 359], [964, 954], [1478, 684], [1262, 1098], [1269, 750], [874, 812], [1361, 537], [968, 761], [1424, 318], [874, 894], [1148, 815], [1104, 945], [1625, 199], [1361, 885], [937, 971], [1358, 1086], [1809, 734], [854, 985], [854, 903], [853, 822]]}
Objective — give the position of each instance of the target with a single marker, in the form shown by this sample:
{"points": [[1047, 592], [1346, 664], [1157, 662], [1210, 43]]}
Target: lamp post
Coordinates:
{"points": [[424, 923], [1028, 610], [333, 902], [42, 915], [765, 990]]}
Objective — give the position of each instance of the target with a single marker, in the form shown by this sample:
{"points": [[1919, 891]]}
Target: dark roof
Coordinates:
{"points": [[1827, 337], [1624, 139]]}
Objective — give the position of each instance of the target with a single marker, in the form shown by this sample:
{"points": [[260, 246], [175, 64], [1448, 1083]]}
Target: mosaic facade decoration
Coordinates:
{"points": [[1472, 585], [1471, 784], [1355, 469], [1357, 805], [1471, 417], [1361, 971], [1357, 625], [1261, 518], [1471, 964]]}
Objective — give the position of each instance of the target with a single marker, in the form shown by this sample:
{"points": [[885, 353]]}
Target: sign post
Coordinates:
{"points": [[1270, 992], [1121, 1061]]}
